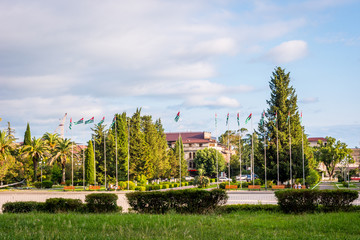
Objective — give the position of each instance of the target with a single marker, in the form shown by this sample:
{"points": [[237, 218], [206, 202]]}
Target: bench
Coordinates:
{"points": [[278, 186], [254, 187], [69, 188], [94, 187], [231, 187]]}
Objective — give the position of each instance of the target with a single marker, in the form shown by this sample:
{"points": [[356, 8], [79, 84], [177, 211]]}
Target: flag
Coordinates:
{"points": [[177, 117], [227, 119], [70, 126], [215, 120], [113, 122], [248, 118], [288, 118], [275, 117], [79, 122], [301, 118], [101, 122], [262, 118], [91, 120], [238, 119]]}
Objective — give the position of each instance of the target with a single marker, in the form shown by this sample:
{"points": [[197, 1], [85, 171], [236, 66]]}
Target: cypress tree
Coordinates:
{"points": [[27, 136], [89, 163], [122, 144], [283, 101], [175, 160]]}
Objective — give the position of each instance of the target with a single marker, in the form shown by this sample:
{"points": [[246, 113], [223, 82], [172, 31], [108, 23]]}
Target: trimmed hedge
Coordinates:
{"points": [[56, 205], [248, 207], [180, 201], [22, 207], [306, 200], [44, 184], [102, 202]]}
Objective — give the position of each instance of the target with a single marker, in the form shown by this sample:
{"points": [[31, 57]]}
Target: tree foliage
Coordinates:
{"points": [[89, 163], [207, 158]]}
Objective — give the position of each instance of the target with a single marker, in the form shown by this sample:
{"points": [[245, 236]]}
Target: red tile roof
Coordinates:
{"points": [[188, 137], [316, 139]]}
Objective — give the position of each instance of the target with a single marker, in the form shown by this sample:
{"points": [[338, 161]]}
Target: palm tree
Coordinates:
{"points": [[63, 152], [36, 151], [52, 140], [7, 161]]}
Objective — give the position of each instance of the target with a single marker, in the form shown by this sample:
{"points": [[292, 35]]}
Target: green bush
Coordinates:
{"points": [[180, 201], [222, 185], [201, 181], [212, 180], [56, 205], [248, 207], [313, 178], [47, 184], [140, 188], [175, 185], [165, 186], [306, 200], [269, 183], [122, 185], [340, 178], [22, 207], [345, 184], [37, 184], [244, 184], [334, 200], [257, 181], [68, 182], [102, 202]]}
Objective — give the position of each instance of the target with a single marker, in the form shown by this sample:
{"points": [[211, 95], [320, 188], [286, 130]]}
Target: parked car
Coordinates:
{"points": [[243, 178], [224, 179], [189, 178]]}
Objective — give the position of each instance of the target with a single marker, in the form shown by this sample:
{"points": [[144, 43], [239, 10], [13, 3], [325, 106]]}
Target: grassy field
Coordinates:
{"points": [[240, 225]]}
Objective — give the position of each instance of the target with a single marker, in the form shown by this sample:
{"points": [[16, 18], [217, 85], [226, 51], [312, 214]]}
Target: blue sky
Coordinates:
{"points": [[97, 58]]}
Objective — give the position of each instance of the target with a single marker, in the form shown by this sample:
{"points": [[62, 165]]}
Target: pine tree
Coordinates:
{"points": [[283, 101], [89, 163], [27, 136], [163, 163], [122, 136]]}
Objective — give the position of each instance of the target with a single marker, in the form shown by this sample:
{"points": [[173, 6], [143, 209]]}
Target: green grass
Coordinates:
{"points": [[239, 225]]}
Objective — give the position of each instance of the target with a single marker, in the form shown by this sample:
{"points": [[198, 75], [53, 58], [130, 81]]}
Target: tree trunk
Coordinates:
{"points": [[63, 172], [35, 170]]}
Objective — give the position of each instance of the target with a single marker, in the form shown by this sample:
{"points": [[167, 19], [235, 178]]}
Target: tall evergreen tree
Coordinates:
{"points": [[122, 144], [163, 164], [283, 102], [139, 152], [98, 135], [89, 163], [174, 160], [27, 136]]}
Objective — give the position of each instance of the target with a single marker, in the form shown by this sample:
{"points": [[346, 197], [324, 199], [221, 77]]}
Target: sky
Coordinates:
{"points": [[96, 58]]}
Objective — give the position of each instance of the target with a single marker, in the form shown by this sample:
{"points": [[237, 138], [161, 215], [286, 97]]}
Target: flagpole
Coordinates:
{"points": [[277, 151], [217, 162], [265, 159], [116, 157], [105, 158], [229, 151], [291, 180], [84, 168], [240, 151], [303, 158], [72, 163], [95, 184], [128, 175], [180, 157], [252, 153]]}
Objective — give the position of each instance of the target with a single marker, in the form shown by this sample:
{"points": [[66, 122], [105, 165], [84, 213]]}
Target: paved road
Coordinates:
{"points": [[326, 185], [247, 197]]}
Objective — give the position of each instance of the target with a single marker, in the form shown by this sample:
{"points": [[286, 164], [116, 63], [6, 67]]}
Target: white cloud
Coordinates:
{"points": [[220, 102], [287, 52]]}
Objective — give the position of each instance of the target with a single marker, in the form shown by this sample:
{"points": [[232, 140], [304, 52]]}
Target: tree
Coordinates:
{"points": [[283, 100], [63, 152], [52, 140], [89, 163], [332, 153], [27, 136], [7, 160], [207, 159], [174, 160], [36, 150], [121, 128]]}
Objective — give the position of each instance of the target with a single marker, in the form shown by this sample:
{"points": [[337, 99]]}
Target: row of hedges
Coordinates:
{"points": [[123, 185], [180, 201], [94, 203], [310, 200], [43, 184]]}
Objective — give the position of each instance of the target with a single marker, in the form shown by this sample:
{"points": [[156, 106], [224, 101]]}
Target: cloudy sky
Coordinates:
{"points": [[97, 58]]}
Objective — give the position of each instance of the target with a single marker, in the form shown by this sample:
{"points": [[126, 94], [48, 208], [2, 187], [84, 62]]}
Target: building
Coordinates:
{"points": [[313, 142], [192, 142]]}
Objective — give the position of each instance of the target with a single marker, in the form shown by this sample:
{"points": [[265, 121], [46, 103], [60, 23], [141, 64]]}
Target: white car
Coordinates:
{"points": [[224, 179], [189, 178], [243, 178]]}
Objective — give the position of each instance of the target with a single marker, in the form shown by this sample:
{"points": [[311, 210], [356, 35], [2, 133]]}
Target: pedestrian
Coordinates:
{"points": [[299, 186]]}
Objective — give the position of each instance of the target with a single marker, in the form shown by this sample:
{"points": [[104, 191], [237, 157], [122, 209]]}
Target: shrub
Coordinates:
{"points": [[345, 184], [68, 182], [257, 181], [222, 185], [56, 205], [212, 180], [22, 207], [175, 185], [165, 186], [37, 184], [140, 188], [201, 181], [297, 200], [102, 202], [340, 178], [122, 185], [334, 200], [181, 201], [270, 183], [244, 184], [248, 207], [47, 184], [313, 177]]}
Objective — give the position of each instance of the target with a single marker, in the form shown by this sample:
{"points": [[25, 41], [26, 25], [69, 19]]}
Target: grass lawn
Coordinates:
{"points": [[240, 225]]}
